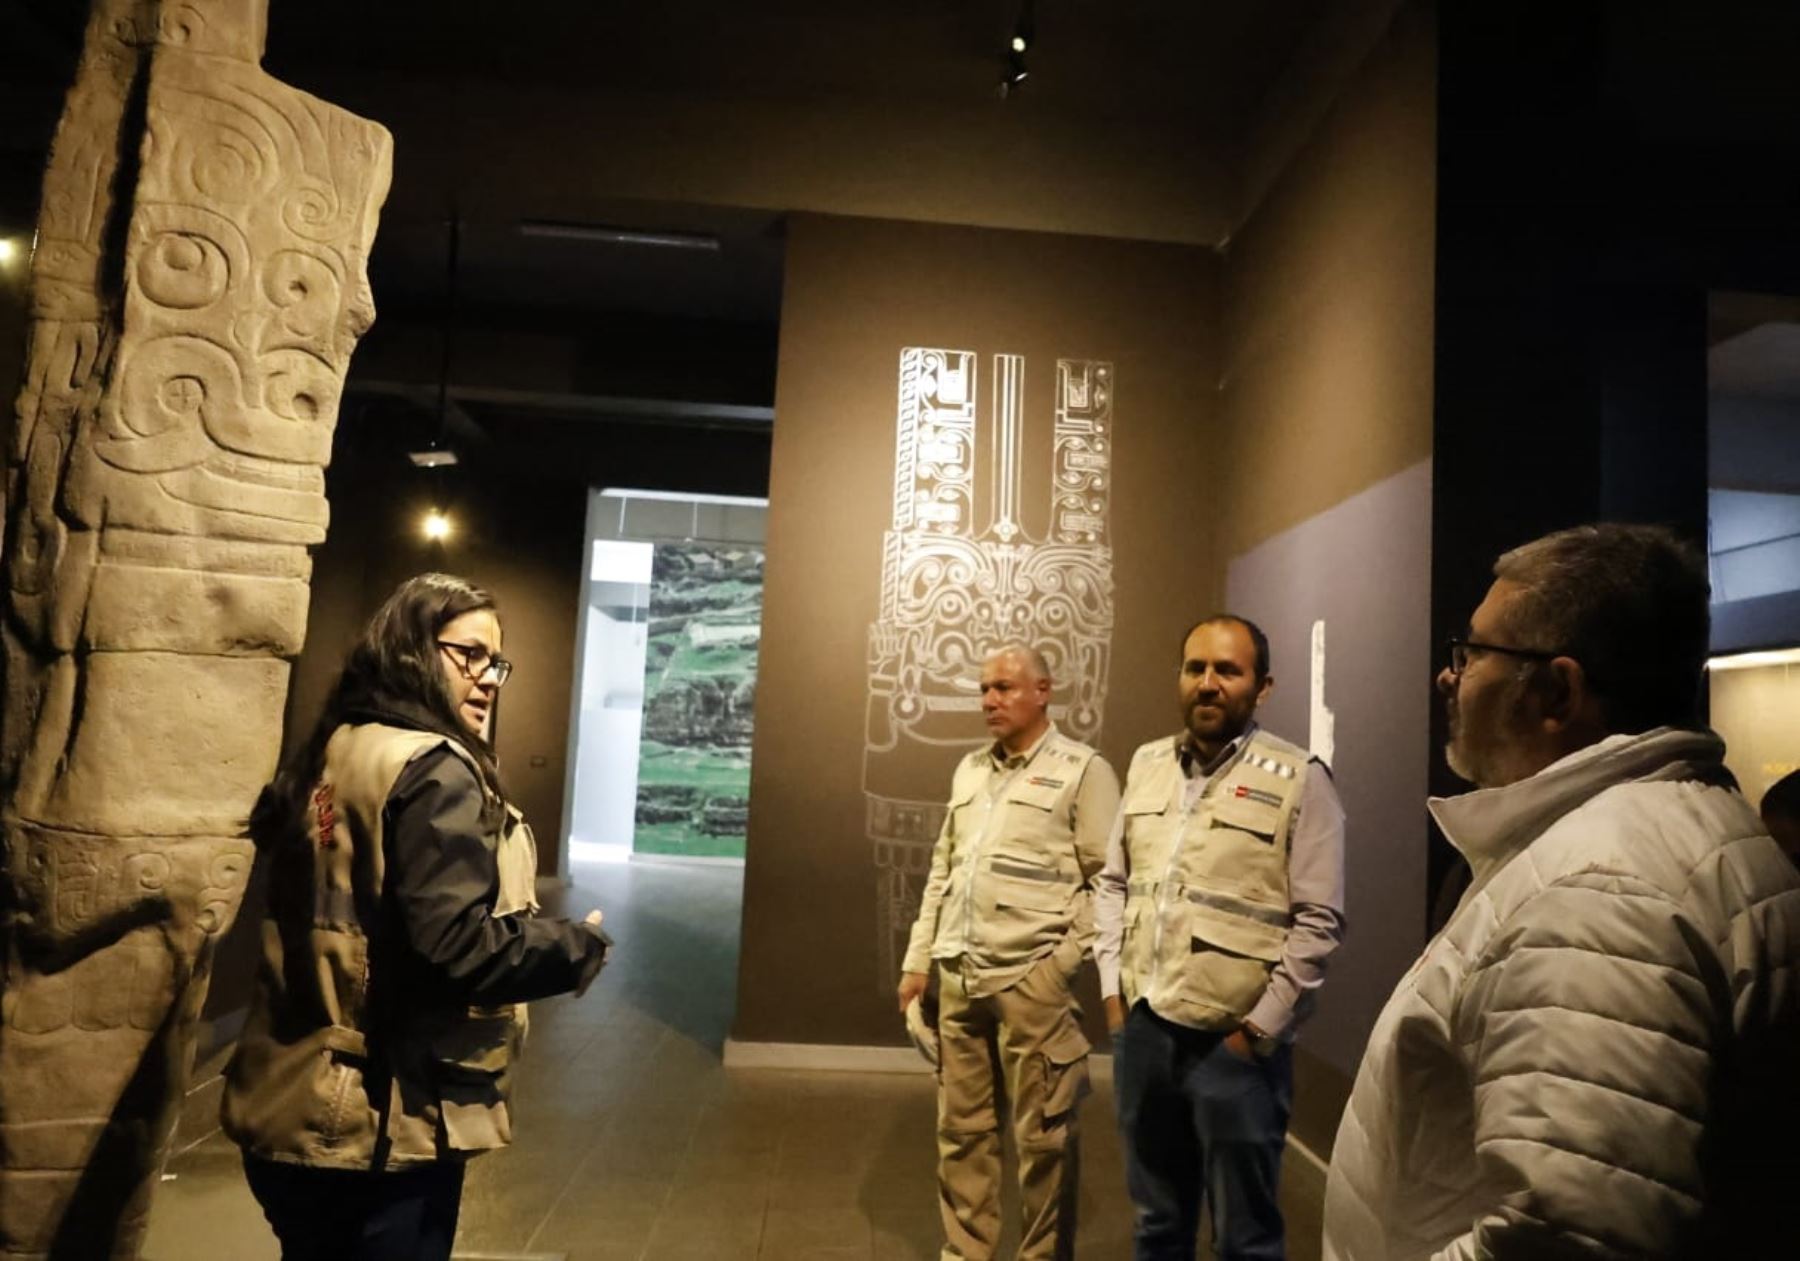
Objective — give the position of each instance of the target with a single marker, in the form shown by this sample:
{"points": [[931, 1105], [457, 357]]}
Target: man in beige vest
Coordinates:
{"points": [[1006, 917], [1221, 901]]}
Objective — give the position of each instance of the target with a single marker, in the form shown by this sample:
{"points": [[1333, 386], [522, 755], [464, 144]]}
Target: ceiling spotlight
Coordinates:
{"points": [[436, 526], [9, 249], [1026, 30], [1024, 33]]}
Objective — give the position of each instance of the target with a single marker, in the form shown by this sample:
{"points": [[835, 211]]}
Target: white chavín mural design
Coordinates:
{"points": [[952, 591]]}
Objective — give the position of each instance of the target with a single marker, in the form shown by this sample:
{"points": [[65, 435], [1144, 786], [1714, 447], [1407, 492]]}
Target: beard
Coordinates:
{"points": [[1215, 723], [1460, 766], [1453, 750], [1482, 747]]}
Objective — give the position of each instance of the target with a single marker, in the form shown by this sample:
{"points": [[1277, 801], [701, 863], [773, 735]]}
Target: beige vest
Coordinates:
{"points": [[302, 1087], [1016, 886], [1206, 909]]}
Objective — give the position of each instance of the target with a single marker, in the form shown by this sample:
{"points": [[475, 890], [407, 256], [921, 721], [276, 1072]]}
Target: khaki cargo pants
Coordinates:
{"points": [[1021, 1049]]}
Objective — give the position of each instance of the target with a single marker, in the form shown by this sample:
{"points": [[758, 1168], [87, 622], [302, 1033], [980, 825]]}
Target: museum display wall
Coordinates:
{"points": [[905, 348], [699, 691]]}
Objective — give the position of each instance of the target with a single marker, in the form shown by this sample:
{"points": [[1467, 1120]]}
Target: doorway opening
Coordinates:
{"points": [[664, 697], [1753, 534]]}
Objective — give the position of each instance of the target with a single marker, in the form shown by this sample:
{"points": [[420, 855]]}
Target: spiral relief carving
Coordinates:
{"points": [[312, 211], [183, 271], [164, 480], [952, 592], [306, 290], [181, 25]]}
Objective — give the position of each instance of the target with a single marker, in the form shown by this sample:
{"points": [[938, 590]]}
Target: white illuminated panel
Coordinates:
{"points": [[1750, 660]]}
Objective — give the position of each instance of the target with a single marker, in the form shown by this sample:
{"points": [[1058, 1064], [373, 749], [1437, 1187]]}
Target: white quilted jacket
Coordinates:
{"points": [[1599, 1056]]}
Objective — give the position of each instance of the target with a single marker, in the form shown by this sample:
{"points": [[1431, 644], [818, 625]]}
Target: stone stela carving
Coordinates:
{"points": [[198, 286], [953, 591]]}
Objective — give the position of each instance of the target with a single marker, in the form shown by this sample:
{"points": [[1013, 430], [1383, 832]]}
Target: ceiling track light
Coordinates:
{"points": [[1024, 34], [1015, 75]]}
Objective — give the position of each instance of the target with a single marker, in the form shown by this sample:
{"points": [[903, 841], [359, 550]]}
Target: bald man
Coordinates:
{"points": [[1006, 918]]}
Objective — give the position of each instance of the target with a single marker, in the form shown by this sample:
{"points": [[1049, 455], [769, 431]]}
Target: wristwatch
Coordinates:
{"points": [[1261, 1044]]}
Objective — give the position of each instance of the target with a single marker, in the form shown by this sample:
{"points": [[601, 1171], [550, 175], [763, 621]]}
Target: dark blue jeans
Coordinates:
{"points": [[353, 1215], [1196, 1119]]}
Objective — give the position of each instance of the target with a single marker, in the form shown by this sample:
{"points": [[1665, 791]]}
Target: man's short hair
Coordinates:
{"points": [[1783, 798], [1260, 640], [1630, 603], [1033, 658]]}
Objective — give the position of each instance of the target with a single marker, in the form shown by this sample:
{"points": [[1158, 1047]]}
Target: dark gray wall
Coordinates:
{"points": [[1364, 567]]}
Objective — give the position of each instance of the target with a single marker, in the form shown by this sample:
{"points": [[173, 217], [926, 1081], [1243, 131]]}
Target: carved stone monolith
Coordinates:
{"points": [[198, 285]]}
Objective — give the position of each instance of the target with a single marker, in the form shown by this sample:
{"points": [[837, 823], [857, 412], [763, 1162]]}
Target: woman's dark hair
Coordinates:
{"points": [[391, 675]]}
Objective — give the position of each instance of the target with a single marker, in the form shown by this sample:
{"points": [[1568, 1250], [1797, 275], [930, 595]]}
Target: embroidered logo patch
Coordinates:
{"points": [[325, 815], [1257, 794]]}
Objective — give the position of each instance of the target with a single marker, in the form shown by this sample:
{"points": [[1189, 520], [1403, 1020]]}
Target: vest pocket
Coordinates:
{"points": [[1026, 886], [1037, 796], [1230, 958], [1137, 959], [1247, 815], [1141, 801], [469, 1063]]}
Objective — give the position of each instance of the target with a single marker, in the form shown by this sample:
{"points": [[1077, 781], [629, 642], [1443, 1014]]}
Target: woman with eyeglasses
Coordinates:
{"points": [[401, 946]]}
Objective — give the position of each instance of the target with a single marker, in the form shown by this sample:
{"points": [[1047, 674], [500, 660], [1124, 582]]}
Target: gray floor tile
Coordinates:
{"points": [[635, 1144]]}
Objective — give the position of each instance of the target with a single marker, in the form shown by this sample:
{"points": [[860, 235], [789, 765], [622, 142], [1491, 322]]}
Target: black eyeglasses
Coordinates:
{"points": [[475, 661], [1460, 649]]}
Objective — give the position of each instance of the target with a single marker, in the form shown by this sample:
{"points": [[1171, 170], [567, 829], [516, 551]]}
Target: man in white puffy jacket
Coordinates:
{"points": [[1599, 1056]]}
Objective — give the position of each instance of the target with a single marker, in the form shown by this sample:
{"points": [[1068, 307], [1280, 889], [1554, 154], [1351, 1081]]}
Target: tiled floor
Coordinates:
{"points": [[635, 1144]]}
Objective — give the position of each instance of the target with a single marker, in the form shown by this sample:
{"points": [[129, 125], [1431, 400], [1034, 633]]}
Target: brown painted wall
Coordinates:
{"points": [[1327, 426], [857, 292], [1328, 301], [951, 155]]}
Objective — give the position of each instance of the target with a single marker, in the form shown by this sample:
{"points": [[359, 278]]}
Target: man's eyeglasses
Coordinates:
{"points": [[1461, 648], [475, 661]]}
